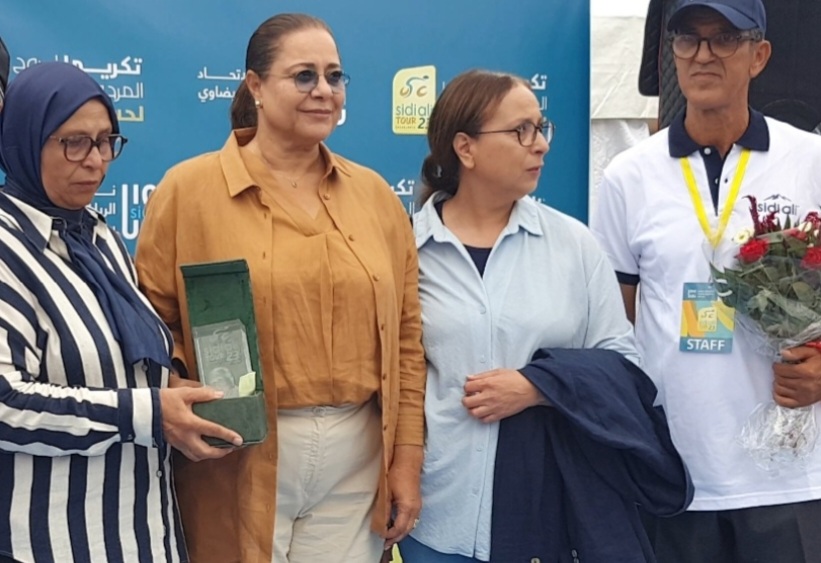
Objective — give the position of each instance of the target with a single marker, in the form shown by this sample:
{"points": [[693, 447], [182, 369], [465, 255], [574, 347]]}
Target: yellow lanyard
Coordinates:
{"points": [[690, 179]]}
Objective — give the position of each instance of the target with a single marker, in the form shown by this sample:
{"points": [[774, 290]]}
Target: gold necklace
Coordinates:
{"points": [[294, 182]]}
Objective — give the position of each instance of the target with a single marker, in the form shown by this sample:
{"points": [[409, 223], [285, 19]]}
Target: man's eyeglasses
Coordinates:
{"points": [[307, 80], [76, 148], [527, 131], [723, 45]]}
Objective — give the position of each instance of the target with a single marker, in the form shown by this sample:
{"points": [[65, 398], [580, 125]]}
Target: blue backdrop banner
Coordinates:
{"points": [[173, 67]]}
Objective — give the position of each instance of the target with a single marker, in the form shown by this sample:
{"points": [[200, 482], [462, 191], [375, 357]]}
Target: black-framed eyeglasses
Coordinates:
{"points": [[527, 131], [76, 148], [722, 45], [307, 80]]}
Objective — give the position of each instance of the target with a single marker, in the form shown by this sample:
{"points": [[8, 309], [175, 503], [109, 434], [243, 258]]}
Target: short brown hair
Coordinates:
{"points": [[463, 107]]}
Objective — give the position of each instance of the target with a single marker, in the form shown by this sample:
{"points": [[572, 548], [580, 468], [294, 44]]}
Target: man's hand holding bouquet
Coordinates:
{"points": [[775, 288]]}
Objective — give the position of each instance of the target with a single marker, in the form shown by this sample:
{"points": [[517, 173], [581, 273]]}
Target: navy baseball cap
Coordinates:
{"points": [[743, 14]]}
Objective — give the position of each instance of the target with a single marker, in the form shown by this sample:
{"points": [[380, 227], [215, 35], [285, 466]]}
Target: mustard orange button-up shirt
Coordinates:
{"points": [[322, 300], [322, 348]]}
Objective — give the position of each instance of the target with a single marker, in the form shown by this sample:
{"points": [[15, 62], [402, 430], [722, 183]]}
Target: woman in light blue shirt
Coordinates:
{"points": [[501, 276]]}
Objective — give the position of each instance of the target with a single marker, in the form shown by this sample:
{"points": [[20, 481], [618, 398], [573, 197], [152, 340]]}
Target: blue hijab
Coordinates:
{"points": [[37, 103]]}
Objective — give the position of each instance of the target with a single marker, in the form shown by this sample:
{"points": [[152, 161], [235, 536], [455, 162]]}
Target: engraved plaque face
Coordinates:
{"points": [[222, 355]]}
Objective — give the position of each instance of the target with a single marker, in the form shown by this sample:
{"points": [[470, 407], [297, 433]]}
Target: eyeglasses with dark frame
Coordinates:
{"points": [[307, 80], [76, 148], [722, 45], [527, 131]]}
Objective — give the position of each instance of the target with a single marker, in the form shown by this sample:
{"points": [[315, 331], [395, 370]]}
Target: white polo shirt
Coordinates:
{"points": [[647, 225]]}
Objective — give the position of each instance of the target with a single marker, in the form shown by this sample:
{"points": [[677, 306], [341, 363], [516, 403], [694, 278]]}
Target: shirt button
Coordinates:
{"points": [[268, 507], [376, 277], [159, 473], [350, 238], [481, 359], [385, 427], [384, 376], [708, 151], [326, 197], [483, 310], [382, 326]]}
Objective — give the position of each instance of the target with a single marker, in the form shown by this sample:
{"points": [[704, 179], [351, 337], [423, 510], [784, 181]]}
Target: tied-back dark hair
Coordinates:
{"points": [[263, 48], [464, 105]]}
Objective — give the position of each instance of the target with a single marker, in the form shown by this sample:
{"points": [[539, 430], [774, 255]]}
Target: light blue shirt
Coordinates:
{"points": [[546, 284]]}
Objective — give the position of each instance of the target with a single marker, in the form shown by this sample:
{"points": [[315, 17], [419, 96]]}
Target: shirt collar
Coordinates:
{"points": [[237, 176], [756, 137], [427, 224], [37, 226]]}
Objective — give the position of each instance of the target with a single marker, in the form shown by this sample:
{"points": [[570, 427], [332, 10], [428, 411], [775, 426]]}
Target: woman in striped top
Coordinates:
{"points": [[86, 418]]}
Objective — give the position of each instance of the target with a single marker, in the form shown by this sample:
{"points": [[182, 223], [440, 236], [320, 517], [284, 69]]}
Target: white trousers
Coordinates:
{"points": [[328, 473]]}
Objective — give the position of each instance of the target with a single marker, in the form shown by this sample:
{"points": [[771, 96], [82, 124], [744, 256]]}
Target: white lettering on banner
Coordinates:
{"points": [[215, 93], [109, 209], [111, 70], [404, 187], [129, 66], [124, 92], [539, 81], [23, 64], [133, 198], [131, 115], [234, 75]]}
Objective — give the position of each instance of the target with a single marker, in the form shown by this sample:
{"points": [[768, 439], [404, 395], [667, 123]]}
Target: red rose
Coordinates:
{"points": [[753, 250], [812, 259]]}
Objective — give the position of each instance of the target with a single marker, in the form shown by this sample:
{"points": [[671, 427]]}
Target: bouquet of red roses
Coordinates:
{"points": [[775, 288]]}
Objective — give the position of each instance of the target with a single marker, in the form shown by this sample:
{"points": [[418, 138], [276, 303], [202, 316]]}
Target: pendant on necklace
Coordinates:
{"points": [[293, 184]]}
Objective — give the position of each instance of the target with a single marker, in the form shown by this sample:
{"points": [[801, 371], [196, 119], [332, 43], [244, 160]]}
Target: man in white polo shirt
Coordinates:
{"points": [[648, 223]]}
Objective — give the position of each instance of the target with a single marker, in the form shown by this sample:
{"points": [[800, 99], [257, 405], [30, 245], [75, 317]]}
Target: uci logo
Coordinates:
{"points": [[410, 87]]}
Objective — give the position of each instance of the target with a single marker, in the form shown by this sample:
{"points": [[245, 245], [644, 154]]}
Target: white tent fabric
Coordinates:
{"points": [[618, 113], [619, 8], [617, 34]]}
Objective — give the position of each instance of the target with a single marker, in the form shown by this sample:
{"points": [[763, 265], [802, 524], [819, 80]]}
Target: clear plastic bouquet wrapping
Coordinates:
{"points": [[775, 288]]}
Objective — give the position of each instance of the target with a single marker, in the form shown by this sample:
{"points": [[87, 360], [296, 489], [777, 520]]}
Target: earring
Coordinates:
{"points": [[258, 104]]}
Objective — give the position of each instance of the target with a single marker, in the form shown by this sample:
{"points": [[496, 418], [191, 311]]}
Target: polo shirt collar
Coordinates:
{"points": [[756, 137], [236, 175], [427, 224]]}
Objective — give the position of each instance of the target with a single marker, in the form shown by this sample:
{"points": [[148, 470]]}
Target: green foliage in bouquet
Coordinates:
{"points": [[776, 281]]}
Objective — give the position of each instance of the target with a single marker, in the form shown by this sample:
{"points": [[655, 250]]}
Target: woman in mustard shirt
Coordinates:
{"points": [[334, 273]]}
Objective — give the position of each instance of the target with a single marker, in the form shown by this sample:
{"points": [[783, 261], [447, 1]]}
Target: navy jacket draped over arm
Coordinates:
{"points": [[569, 477]]}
